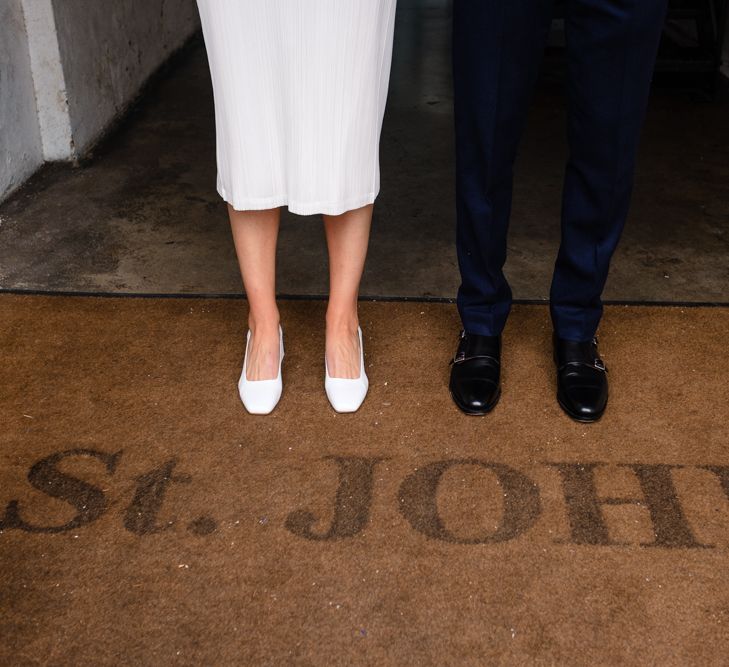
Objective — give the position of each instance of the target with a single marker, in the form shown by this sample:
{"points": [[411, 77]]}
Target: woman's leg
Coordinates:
{"points": [[255, 234], [347, 238]]}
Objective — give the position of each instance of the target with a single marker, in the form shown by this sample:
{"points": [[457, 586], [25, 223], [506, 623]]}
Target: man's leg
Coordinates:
{"points": [[497, 49], [498, 46], [611, 52]]}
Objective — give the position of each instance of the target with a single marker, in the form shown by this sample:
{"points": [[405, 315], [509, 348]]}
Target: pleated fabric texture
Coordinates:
{"points": [[300, 90]]}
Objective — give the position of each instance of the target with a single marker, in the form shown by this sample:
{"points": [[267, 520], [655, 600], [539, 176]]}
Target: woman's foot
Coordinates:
{"points": [[261, 396], [346, 393], [343, 350], [262, 355]]}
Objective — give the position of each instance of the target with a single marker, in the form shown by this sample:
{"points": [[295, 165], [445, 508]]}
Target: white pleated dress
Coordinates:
{"points": [[300, 88]]}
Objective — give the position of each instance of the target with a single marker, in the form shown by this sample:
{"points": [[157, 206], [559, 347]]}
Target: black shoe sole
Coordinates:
{"points": [[577, 417], [476, 413]]}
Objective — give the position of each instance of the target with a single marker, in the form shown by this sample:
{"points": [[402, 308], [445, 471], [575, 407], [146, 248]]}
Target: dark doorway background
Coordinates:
{"points": [[142, 215]]}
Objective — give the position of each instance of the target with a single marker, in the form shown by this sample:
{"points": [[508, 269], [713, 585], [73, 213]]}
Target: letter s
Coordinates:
{"points": [[88, 500]]}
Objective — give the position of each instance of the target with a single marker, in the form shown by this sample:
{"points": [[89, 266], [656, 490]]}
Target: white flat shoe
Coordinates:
{"points": [[347, 395], [260, 397]]}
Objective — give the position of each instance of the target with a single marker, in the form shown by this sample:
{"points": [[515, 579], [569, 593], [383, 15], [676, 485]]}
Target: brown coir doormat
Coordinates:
{"points": [[147, 520]]}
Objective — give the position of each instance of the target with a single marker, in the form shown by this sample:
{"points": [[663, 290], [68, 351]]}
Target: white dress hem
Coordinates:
{"points": [[332, 208]]}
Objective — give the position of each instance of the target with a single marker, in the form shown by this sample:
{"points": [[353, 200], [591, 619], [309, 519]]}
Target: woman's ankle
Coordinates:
{"points": [[346, 329], [264, 324], [342, 321]]}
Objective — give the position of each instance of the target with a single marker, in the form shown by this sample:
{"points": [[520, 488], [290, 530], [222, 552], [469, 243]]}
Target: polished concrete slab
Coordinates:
{"points": [[143, 214]]}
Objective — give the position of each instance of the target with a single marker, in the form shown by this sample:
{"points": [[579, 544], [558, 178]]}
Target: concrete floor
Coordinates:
{"points": [[143, 215]]}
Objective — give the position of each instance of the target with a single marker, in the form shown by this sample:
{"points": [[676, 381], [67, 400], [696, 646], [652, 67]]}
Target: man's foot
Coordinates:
{"points": [[475, 384], [582, 386]]}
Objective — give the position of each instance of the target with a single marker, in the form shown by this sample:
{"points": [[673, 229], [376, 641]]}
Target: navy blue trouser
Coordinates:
{"points": [[498, 46]]}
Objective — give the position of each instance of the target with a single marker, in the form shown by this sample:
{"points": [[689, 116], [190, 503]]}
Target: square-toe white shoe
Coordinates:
{"points": [[345, 394], [260, 397]]}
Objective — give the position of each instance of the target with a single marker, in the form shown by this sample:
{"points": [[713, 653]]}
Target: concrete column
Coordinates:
{"points": [[21, 150], [49, 81]]}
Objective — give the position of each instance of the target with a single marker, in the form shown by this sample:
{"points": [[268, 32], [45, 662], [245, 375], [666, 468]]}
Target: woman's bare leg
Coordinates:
{"points": [[255, 234], [347, 238]]}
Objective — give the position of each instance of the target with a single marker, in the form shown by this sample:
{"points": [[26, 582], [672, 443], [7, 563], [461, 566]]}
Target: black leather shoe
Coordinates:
{"points": [[582, 386], [476, 374]]}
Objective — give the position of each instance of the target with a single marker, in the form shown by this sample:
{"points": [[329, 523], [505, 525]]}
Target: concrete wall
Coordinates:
{"points": [[109, 48], [70, 68], [21, 152]]}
